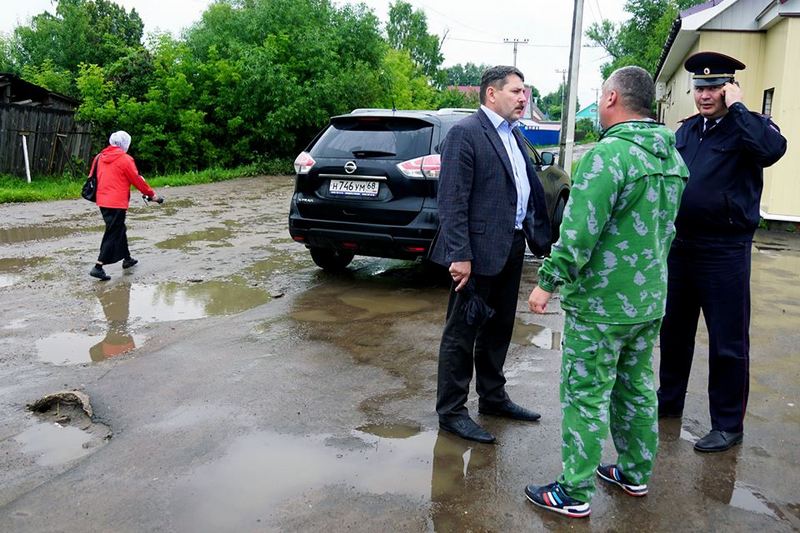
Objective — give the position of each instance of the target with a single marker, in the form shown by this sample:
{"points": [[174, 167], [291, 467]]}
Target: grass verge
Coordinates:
{"points": [[44, 188]]}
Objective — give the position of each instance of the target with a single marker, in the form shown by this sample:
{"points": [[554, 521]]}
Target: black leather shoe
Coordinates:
{"points": [[466, 428], [718, 441], [98, 272], [129, 262], [509, 409]]}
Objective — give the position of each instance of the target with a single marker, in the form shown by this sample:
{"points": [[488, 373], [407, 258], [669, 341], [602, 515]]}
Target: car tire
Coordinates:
{"points": [[558, 216], [331, 260]]}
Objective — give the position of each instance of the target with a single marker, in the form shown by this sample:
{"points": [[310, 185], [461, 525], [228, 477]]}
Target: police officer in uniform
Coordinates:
{"points": [[726, 148]]}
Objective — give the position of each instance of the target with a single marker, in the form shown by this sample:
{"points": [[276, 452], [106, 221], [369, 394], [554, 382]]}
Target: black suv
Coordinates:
{"points": [[367, 185]]}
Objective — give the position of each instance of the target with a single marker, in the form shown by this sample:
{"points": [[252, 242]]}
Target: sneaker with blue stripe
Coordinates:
{"points": [[612, 474], [553, 498]]}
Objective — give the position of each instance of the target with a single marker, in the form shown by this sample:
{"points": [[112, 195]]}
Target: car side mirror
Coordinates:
{"points": [[548, 158]]}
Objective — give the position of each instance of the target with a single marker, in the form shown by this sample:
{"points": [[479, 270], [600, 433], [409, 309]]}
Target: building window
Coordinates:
{"points": [[766, 106]]}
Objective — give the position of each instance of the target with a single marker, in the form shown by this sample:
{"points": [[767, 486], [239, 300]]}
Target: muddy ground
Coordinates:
{"points": [[236, 387]]}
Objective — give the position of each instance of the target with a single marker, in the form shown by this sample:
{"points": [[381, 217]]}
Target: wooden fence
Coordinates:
{"points": [[56, 143]]}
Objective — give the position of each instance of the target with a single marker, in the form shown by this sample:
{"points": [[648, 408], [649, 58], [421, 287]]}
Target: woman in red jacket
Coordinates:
{"points": [[116, 172]]}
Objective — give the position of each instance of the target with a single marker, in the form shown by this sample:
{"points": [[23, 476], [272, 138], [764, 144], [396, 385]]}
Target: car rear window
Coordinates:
{"points": [[387, 138]]}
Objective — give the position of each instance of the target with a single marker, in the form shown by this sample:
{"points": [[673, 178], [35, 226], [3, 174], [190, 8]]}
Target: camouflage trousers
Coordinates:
{"points": [[607, 379]]}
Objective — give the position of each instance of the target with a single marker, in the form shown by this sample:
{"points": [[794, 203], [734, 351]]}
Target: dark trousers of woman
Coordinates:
{"points": [[114, 246]]}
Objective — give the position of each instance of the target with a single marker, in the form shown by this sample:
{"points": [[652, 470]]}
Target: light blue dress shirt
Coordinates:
{"points": [[505, 131]]}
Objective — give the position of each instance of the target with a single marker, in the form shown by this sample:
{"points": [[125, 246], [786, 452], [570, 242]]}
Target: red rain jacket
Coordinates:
{"points": [[116, 172]]}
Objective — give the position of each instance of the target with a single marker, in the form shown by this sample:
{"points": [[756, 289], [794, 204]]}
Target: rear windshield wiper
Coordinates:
{"points": [[372, 153]]}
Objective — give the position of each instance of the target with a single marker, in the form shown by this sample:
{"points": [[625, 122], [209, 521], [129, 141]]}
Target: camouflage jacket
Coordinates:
{"points": [[611, 257]]}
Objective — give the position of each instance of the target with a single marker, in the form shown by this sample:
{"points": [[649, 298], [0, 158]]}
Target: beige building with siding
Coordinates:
{"points": [[765, 36]]}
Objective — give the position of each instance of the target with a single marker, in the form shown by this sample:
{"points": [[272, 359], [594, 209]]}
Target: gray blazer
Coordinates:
{"points": [[478, 199]]}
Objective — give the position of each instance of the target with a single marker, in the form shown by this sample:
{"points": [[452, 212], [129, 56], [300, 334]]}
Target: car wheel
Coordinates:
{"points": [[331, 260], [558, 216]]}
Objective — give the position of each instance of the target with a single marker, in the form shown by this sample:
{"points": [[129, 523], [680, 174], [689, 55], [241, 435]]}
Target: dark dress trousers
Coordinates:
{"points": [[709, 262], [477, 200]]}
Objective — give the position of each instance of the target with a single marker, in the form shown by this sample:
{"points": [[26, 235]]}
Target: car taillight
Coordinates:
{"points": [[422, 167], [303, 163]]}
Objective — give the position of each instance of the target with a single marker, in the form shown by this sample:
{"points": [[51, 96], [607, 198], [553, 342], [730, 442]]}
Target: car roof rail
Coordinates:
{"points": [[446, 110]]}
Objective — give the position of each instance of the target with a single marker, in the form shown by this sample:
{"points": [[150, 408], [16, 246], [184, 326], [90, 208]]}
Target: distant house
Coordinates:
{"points": [[765, 36], [45, 120], [590, 112]]}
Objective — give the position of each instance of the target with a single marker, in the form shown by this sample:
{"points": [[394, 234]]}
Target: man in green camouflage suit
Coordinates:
{"points": [[610, 262]]}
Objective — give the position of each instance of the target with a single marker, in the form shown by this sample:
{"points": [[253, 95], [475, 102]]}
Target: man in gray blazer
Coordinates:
{"points": [[490, 203]]}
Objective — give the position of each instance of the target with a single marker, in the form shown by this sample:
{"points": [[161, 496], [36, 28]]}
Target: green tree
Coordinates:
{"points": [[407, 30], [405, 87], [81, 31], [467, 74], [6, 56], [49, 76], [455, 98], [640, 40], [551, 103]]}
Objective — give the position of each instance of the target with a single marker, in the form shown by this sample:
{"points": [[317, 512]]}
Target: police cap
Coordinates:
{"points": [[710, 69]]}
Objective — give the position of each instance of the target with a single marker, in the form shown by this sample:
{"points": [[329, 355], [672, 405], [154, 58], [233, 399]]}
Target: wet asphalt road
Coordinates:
{"points": [[248, 391]]}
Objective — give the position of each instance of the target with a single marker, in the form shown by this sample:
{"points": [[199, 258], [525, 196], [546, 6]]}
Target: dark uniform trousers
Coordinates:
{"points": [[712, 276], [488, 345]]}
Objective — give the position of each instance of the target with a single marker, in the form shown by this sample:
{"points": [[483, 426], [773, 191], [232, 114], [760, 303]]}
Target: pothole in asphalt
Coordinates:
{"points": [[65, 431], [125, 308]]}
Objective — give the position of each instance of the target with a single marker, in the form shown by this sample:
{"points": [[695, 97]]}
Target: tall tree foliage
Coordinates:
{"points": [[466, 74], [640, 40], [81, 31], [252, 79], [407, 30]]}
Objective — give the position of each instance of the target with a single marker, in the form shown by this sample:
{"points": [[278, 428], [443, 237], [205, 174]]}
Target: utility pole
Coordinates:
{"points": [[515, 42], [563, 73], [596, 109], [568, 118]]}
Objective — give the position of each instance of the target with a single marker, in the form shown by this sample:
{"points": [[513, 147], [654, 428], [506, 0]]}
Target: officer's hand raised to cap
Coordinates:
{"points": [[733, 94]]}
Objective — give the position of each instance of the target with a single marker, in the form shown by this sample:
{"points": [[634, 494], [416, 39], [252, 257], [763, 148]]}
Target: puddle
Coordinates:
{"points": [[7, 280], [214, 237], [746, 498], [11, 268], [40, 233], [277, 263], [516, 370], [391, 431], [178, 301], [54, 444], [689, 436], [124, 308], [243, 482], [334, 303], [80, 348], [536, 335]]}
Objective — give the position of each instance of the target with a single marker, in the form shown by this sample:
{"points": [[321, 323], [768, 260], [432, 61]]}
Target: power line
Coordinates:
{"points": [[598, 10], [526, 44]]}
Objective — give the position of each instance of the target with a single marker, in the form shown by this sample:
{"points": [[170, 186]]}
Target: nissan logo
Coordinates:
{"points": [[350, 167]]}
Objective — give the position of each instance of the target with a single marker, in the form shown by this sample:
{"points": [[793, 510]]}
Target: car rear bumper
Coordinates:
{"points": [[399, 242]]}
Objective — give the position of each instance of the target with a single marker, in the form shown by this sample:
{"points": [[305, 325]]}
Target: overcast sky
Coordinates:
{"points": [[474, 30]]}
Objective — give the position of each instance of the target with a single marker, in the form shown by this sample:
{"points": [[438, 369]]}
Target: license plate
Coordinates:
{"points": [[354, 187]]}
